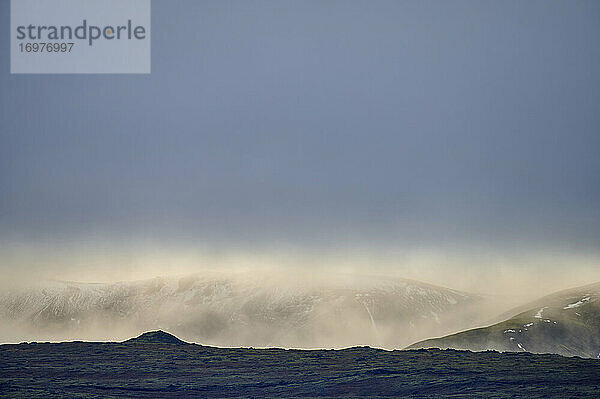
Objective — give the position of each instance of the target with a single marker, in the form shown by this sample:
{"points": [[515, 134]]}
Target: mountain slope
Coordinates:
{"points": [[242, 310], [565, 323]]}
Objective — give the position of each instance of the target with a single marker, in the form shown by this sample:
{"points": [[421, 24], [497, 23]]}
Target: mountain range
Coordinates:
{"points": [[300, 311], [243, 310]]}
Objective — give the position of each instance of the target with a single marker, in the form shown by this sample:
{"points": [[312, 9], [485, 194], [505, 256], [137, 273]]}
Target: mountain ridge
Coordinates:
{"points": [[244, 310]]}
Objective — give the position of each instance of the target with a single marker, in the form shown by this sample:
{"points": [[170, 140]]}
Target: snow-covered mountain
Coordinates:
{"points": [[566, 323], [242, 310]]}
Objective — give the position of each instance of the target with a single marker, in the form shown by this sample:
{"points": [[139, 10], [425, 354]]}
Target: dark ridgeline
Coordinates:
{"points": [[157, 364]]}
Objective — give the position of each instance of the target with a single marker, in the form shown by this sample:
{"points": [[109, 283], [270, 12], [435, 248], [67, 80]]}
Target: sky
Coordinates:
{"points": [[377, 131]]}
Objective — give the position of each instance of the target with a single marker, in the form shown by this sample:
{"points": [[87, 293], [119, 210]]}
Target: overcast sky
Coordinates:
{"points": [[317, 124]]}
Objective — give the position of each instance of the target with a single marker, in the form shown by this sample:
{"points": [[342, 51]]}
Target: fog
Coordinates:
{"points": [[519, 274], [245, 308], [285, 299]]}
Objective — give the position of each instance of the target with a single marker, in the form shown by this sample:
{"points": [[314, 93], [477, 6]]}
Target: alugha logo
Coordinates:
{"points": [[82, 32]]}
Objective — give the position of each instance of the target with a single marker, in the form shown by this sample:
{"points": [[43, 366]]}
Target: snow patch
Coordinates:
{"points": [[578, 303], [538, 315]]}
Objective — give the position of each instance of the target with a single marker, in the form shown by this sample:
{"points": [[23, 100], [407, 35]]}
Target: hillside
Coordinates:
{"points": [[565, 323]]}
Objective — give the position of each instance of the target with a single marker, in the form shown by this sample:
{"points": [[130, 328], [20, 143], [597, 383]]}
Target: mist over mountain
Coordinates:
{"points": [[259, 309], [566, 323]]}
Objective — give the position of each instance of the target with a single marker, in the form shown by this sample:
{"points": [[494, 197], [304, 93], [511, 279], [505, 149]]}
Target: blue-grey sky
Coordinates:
{"points": [[319, 123]]}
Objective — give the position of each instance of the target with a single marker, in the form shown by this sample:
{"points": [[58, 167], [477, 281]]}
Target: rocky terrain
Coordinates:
{"points": [[158, 365]]}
